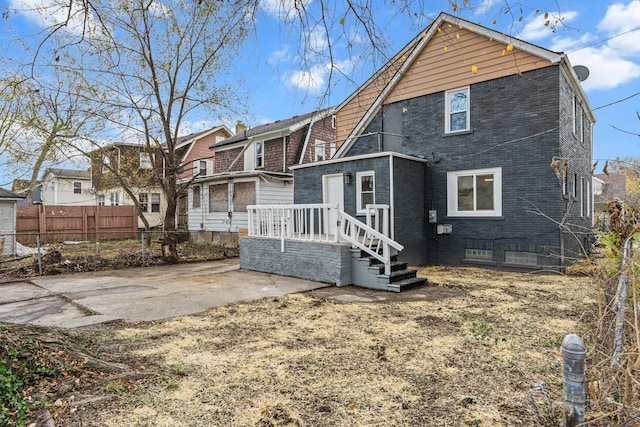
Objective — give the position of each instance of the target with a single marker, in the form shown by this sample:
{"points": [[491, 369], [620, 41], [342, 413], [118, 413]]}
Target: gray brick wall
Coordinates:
{"points": [[322, 262]]}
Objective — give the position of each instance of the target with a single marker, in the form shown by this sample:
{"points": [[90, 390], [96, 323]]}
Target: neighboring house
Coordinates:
{"points": [[455, 136], [8, 201], [68, 187], [196, 160], [254, 167], [138, 168], [607, 188]]}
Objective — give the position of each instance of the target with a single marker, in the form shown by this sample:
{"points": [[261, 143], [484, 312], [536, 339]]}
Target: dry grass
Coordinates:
{"points": [[464, 351]]}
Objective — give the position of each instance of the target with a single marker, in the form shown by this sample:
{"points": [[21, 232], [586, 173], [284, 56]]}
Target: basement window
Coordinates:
{"points": [[520, 258], [478, 254]]}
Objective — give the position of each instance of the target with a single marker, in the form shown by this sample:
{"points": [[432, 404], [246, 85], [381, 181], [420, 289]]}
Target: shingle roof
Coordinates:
{"points": [[271, 127], [69, 173], [6, 194]]}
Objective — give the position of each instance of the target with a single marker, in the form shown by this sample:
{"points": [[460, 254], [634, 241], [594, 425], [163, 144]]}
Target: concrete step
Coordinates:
{"points": [[406, 284]]}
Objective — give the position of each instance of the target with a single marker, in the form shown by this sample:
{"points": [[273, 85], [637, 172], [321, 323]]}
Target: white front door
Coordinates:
{"points": [[333, 193]]}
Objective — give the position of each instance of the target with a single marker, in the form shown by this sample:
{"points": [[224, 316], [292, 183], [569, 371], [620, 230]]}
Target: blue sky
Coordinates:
{"points": [[601, 35]]}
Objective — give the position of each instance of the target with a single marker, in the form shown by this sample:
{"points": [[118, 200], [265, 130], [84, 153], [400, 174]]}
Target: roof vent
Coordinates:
{"points": [[582, 72]]}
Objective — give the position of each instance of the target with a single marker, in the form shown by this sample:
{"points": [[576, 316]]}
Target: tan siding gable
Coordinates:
{"points": [[436, 70], [351, 113]]}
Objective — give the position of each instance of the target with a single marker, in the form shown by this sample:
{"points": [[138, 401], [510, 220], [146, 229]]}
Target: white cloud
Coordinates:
{"points": [[536, 28], [484, 7], [279, 56], [46, 13], [285, 9], [620, 18], [607, 68], [312, 80]]}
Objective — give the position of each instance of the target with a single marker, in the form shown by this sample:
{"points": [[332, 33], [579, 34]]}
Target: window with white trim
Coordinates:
{"points": [[77, 187], [319, 150], [474, 192], [457, 110], [143, 201], [101, 200], [195, 197], [520, 258], [365, 190], [478, 254], [145, 161], [155, 202], [115, 198], [202, 167], [332, 149], [259, 154]]}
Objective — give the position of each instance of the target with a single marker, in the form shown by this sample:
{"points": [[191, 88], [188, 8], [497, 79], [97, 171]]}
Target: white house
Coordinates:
{"points": [[67, 187]]}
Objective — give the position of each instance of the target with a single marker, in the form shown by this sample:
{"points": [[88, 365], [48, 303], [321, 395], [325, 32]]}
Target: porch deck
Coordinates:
{"points": [[320, 242]]}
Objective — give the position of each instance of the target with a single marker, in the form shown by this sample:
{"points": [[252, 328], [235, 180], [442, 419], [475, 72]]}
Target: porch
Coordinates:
{"points": [[321, 242]]}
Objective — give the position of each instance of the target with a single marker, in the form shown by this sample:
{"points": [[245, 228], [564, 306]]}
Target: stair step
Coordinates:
{"points": [[378, 268], [400, 275], [407, 284]]}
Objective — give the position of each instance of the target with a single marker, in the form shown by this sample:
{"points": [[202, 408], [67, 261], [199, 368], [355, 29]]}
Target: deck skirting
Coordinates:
{"points": [[319, 261]]}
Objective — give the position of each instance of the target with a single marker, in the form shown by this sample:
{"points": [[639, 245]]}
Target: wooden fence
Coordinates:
{"points": [[64, 223]]}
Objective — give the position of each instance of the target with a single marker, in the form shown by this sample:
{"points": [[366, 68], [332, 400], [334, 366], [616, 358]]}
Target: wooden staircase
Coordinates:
{"points": [[368, 272]]}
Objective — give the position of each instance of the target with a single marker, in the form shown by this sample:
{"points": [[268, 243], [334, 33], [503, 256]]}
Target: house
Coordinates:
{"points": [[8, 201], [67, 187], [196, 159], [475, 145], [122, 171], [607, 188], [254, 167]]}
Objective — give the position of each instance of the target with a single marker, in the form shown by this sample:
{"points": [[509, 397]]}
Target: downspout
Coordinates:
{"points": [[391, 197], [284, 154]]}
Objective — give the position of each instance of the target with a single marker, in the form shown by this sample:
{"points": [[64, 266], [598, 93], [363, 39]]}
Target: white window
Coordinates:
{"points": [[478, 254], [474, 192], [332, 149], [115, 198], [333, 121], [145, 161], [202, 167], [155, 202], [259, 155], [77, 187], [457, 110], [319, 150], [575, 186], [196, 197], [101, 200], [365, 190], [143, 201], [520, 258]]}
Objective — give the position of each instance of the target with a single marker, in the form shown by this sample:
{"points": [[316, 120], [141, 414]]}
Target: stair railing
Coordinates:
{"points": [[367, 239]]}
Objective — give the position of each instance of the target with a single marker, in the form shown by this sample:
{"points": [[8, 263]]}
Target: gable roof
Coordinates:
{"points": [[395, 70], [187, 139], [69, 173], [8, 195], [275, 129]]}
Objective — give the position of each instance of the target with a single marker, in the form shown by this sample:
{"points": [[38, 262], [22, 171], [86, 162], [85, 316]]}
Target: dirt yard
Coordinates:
{"points": [[475, 348]]}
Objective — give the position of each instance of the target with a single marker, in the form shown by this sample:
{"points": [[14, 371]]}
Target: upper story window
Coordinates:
{"points": [[457, 110], [145, 161], [474, 192], [115, 198], [319, 150], [332, 149], [77, 187], [365, 190], [259, 154], [202, 167], [101, 200]]}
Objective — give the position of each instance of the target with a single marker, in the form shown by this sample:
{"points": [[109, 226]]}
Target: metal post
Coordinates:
{"points": [[142, 239], [573, 356], [39, 255]]}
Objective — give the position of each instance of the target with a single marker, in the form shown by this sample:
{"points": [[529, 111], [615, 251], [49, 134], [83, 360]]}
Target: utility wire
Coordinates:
{"points": [[605, 40]]}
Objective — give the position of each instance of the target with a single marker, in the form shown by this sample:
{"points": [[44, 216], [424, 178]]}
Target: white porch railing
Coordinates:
{"points": [[326, 223]]}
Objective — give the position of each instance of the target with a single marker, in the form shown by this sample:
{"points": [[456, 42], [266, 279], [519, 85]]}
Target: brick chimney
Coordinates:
{"points": [[240, 127]]}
